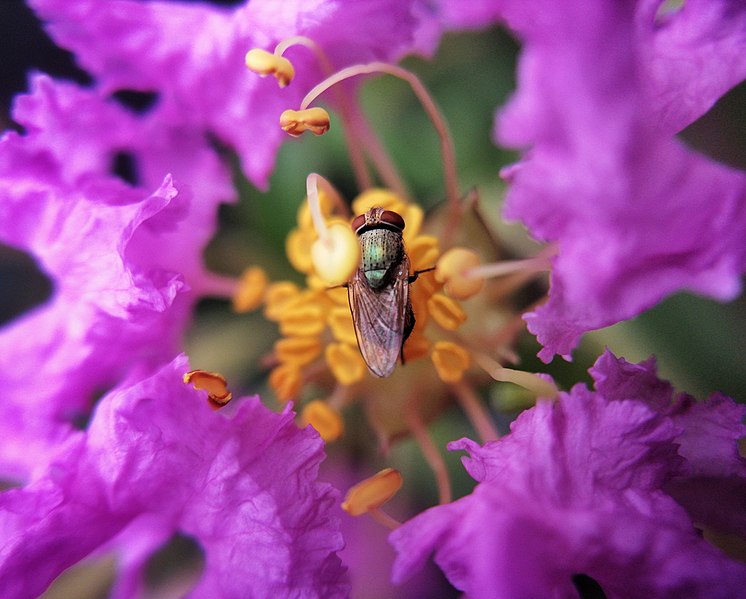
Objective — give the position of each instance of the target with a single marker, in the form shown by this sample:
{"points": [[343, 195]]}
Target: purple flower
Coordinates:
{"points": [[158, 460], [192, 55], [602, 87], [579, 488]]}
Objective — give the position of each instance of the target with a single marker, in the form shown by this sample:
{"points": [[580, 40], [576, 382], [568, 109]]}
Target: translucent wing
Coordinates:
{"points": [[379, 317]]}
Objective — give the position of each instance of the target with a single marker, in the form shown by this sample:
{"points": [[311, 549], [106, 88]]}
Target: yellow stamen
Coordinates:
{"points": [[450, 360], [413, 215], [298, 350], [296, 122], [337, 257], [302, 318], [212, 382], [264, 63], [423, 252], [446, 312], [338, 295], [373, 492], [342, 326], [416, 347], [278, 297], [346, 363], [286, 381], [378, 196], [298, 249], [451, 270], [325, 419], [249, 294]]}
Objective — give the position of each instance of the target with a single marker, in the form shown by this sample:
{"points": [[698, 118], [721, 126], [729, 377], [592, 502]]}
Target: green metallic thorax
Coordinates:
{"points": [[382, 250]]}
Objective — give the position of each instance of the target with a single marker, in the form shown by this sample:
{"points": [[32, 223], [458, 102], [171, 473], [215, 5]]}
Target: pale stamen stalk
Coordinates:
{"points": [[215, 286], [528, 380], [314, 205], [538, 263], [339, 397], [362, 176], [334, 196], [499, 269], [431, 454], [383, 518], [475, 412], [446, 143]]}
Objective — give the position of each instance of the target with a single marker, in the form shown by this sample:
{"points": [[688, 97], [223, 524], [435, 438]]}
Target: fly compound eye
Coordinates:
{"points": [[375, 217], [358, 222], [392, 218]]}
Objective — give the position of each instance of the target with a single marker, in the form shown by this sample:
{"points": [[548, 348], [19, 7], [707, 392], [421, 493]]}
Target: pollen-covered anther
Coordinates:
{"points": [[336, 256], [345, 362], [252, 286], [450, 360], [294, 122], [453, 270], [324, 418], [302, 317], [286, 381], [298, 350], [265, 63], [212, 382], [373, 492], [446, 312]]}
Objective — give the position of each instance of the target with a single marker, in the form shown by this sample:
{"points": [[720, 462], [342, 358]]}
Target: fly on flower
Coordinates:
{"points": [[377, 259], [379, 290]]}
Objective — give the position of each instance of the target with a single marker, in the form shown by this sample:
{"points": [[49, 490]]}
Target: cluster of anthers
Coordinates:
{"points": [[380, 290]]}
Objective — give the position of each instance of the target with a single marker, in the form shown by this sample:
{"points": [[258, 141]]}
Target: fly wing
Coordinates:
{"points": [[379, 317]]}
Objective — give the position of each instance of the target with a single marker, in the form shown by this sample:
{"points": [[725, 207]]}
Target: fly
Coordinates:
{"points": [[379, 290]]}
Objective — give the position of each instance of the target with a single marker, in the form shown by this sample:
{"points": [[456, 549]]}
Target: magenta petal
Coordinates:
{"points": [[108, 315], [588, 485], [604, 182], [243, 486]]}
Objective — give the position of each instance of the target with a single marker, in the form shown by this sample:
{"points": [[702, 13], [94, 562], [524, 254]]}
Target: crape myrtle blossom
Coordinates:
{"points": [[602, 89], [78, 134], [580, 487], [157, 460], [187, 54]]}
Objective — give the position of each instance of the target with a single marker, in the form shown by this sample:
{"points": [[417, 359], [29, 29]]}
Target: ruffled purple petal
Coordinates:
{"points": [[605, 183], [574, 489], [617, 379], [108, 315], [691, 55], [243, 486], [85, 131]]}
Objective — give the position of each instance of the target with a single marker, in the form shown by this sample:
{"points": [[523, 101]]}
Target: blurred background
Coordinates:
{"points": [[700, 344]]}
